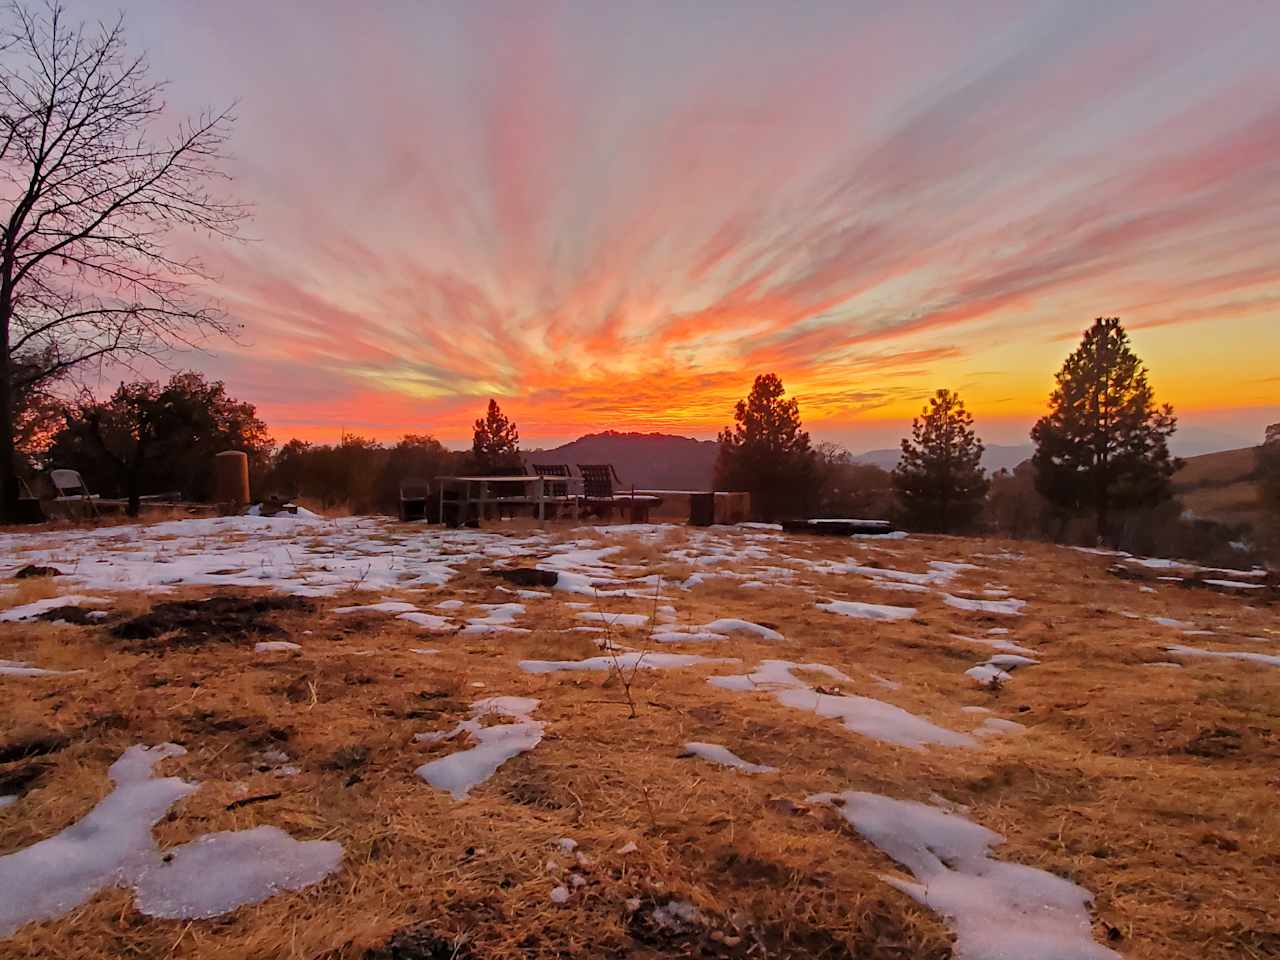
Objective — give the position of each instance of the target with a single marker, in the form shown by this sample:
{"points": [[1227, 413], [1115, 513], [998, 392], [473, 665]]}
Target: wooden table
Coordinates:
{"points": [[477, 490]]}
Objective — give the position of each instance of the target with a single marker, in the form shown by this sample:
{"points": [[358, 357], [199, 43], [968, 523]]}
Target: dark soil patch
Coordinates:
{"points": [[71, 614], [224, 618], [32, 744], [527, 577], [33, 570], [418, 942], [1218, 742], [348, 758], [18, 779]]}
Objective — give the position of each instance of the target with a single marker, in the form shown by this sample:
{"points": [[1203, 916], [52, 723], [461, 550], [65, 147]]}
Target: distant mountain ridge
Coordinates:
{"points": [[654, 461], [994, 457]]}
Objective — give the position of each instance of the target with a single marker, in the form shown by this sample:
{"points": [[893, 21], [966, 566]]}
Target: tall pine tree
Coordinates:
{"points": [[496, 441], [939, 479], [768, 454], [1104, 443]]}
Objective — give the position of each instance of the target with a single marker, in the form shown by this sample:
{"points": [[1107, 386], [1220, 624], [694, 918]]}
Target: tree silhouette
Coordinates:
{"points": [[767, 453], [1104, 443], [939, 480], [496, 441], [158, 436], [90, 195]]}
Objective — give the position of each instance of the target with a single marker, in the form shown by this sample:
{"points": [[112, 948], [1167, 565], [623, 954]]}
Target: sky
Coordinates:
{"points": [[614, 215]]}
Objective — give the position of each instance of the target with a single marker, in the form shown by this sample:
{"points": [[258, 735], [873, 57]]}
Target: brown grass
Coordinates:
{"points": [[1154, 788]]}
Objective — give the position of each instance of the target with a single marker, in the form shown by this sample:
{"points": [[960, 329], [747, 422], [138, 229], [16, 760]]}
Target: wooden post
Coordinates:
{"points": [[231, 479]]}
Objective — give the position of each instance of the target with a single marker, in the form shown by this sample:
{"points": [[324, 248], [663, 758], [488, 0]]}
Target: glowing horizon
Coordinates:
{"points": [[614, 218]]}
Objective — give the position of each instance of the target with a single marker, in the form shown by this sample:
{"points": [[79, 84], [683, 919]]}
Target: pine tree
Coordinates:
{"points": [[767, 453], [1104, 443], [939, 480], [496, 441]]}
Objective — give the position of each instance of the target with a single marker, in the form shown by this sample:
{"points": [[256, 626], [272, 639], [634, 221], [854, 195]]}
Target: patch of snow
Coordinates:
{"points": [[427, 621], [1010, 607], [864, 715], [218, 872], [459, 773], [999, 910], [995, 727], [682, 636], [275, 646], [29, 610], [716, 753], [1184, 651], [20, 668], [386, 606], [560, 895], [731, 625], [632, 660], [867, 611]]}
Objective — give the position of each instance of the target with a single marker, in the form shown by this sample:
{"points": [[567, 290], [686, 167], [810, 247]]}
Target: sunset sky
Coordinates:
{"points": [[614, 215]]}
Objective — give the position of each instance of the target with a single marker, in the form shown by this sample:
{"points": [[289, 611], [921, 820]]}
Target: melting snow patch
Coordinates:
{"points": [[995, 727], [460, 772], [716, 753], [386, 606], [1184, 651], [998, 910], [864, 715], [730, 625], [219, 872], [1010, 607], [29, 610], [275, 646], [681, 636], [449, 604], [868, 611], [634, 660], [427, 621], [20, 668]]}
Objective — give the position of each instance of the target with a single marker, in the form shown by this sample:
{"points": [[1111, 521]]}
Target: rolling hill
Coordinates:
{"points": [[1220, 486], [645, 460]]}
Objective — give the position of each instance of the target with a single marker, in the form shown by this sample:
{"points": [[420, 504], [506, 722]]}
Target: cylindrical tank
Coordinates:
{"points": [[231, 478]]}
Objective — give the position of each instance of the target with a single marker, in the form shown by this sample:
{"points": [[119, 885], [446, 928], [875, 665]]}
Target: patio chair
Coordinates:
{"points": [[69, 487], [415, 495], [555, 489], [598, 495]]}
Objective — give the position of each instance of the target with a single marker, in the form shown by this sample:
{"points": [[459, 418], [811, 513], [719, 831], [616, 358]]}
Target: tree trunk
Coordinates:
{"points": [[9, 489]]}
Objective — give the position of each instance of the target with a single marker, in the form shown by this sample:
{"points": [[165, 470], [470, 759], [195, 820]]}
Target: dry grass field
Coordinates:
{"points": [[1148, 778]]}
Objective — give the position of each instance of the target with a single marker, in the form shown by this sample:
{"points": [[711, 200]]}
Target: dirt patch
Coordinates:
{"points": [[528, 577], [418, 943], [224, 618], [1217, 742], [79, 616], [34, 570], [35, 743]]}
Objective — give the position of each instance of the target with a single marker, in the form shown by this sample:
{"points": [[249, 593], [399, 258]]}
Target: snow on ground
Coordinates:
{"points": [[1010, 607], [632, 660], [864, 715], [999, 910], [20, 668], [112, 846], [716, 753], [1184, 651], [867, 611], [460, 772], [29, 610], [732, 625]]}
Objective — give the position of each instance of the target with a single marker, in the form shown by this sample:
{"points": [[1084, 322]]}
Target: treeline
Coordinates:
{"points": [[1101, 470]]}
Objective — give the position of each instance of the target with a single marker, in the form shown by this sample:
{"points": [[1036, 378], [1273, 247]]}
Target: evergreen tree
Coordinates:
{"points": [[1104, 443], [939, 480], [496, 441], [767, 453]]}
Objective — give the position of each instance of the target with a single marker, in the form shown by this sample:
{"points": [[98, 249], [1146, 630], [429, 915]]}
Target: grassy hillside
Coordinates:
{"points": [[1220, 486]]}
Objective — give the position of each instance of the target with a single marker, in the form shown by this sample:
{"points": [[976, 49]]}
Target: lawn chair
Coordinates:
{"points": [[70, 489], [598, 481], [415, 494]]}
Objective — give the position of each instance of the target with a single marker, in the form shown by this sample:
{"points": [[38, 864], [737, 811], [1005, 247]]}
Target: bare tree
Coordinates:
{"points": [[90, 201]]}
